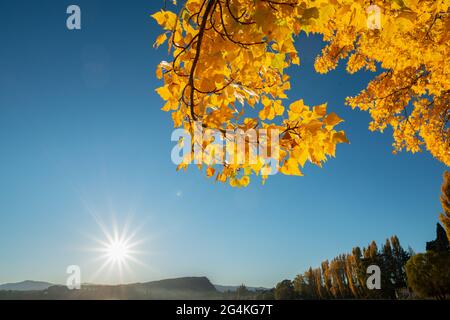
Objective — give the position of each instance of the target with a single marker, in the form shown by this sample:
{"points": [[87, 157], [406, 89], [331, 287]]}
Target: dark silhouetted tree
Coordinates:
{"points": [[302, 289], [441, 243], [266, 295], [242, 292], [429, 274], [400, 258], [284, 290]]}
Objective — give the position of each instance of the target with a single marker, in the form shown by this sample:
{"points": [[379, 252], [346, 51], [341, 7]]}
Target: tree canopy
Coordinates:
{"points": [[429, 275], [345, 276], [229, 62], [284, 290]]}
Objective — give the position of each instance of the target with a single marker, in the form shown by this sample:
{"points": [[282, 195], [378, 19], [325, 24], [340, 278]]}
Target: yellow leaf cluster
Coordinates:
{"points": [[229, 62]]}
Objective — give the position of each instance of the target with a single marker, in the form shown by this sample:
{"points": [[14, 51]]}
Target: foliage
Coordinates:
{"points": [[445, 201], [429, 274], [345, 276], [284, 290], [265, 295], [230, 57], [242, 292]]}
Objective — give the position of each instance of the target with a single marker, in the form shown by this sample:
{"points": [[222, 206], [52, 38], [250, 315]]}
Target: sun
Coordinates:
{"points": [[118, 251]]}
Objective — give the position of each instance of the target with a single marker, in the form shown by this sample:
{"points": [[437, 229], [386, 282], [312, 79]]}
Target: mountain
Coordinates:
{"points": [[187, 288], [176, 289], [27, 285], [200, 284], [221, 288]]}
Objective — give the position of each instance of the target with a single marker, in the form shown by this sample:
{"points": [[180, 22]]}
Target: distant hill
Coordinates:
{"points": [[177, 289], [27, 285], [221, 288], [188, 288], [200, 284]]}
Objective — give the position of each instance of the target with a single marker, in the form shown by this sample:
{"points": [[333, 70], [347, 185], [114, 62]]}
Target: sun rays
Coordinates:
{"points": [[118, 249]]}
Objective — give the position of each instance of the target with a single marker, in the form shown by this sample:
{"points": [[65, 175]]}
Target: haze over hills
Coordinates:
{"points": [[179, 288], [30, 285], [222, 288], [27, 285]]}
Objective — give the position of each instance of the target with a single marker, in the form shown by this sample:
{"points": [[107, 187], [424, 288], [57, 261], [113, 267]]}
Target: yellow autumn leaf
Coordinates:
{"points": [[332, 119], [210, 172], [320, 110], [301, 154], [165, 19], [160, 40], [164, 92], [290, 168], [340, 137]]}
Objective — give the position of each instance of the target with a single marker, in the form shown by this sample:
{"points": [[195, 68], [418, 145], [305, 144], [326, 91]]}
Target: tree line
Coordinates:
{"points": [[404, 274]]}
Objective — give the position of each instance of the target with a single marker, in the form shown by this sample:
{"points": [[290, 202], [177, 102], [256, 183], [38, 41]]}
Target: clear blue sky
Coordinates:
{"points": [[81, 130]]}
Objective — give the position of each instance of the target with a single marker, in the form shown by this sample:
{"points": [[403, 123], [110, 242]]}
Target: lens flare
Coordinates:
{"points": [[118, 249]]}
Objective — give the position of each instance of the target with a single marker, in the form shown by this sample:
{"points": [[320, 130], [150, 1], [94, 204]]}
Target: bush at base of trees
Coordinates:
{"points": [[429, 274]]}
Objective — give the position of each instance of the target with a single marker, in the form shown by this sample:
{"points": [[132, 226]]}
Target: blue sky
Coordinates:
{"points": [[81, 131]]}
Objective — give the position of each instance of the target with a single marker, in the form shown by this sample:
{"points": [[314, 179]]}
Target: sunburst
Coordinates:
{"points": [[119, 248]]}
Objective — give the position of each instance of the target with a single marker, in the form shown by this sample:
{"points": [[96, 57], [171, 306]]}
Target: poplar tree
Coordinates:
{"points": [[445, 201]]}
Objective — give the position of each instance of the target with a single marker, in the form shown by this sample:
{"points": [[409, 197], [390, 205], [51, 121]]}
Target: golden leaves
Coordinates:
{"points": [[332, 119], [296, 110], [339, 137], [271, 109], [310, 136], [290, 168], [412, 46], [240, 182], [210, 172], [165, 19], [246, 47], [160, 40], [164, 92]]}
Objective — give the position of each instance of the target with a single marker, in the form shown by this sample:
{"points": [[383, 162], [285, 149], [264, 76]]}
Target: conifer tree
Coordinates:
{"points": [[441, 243], [401, 257]]}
